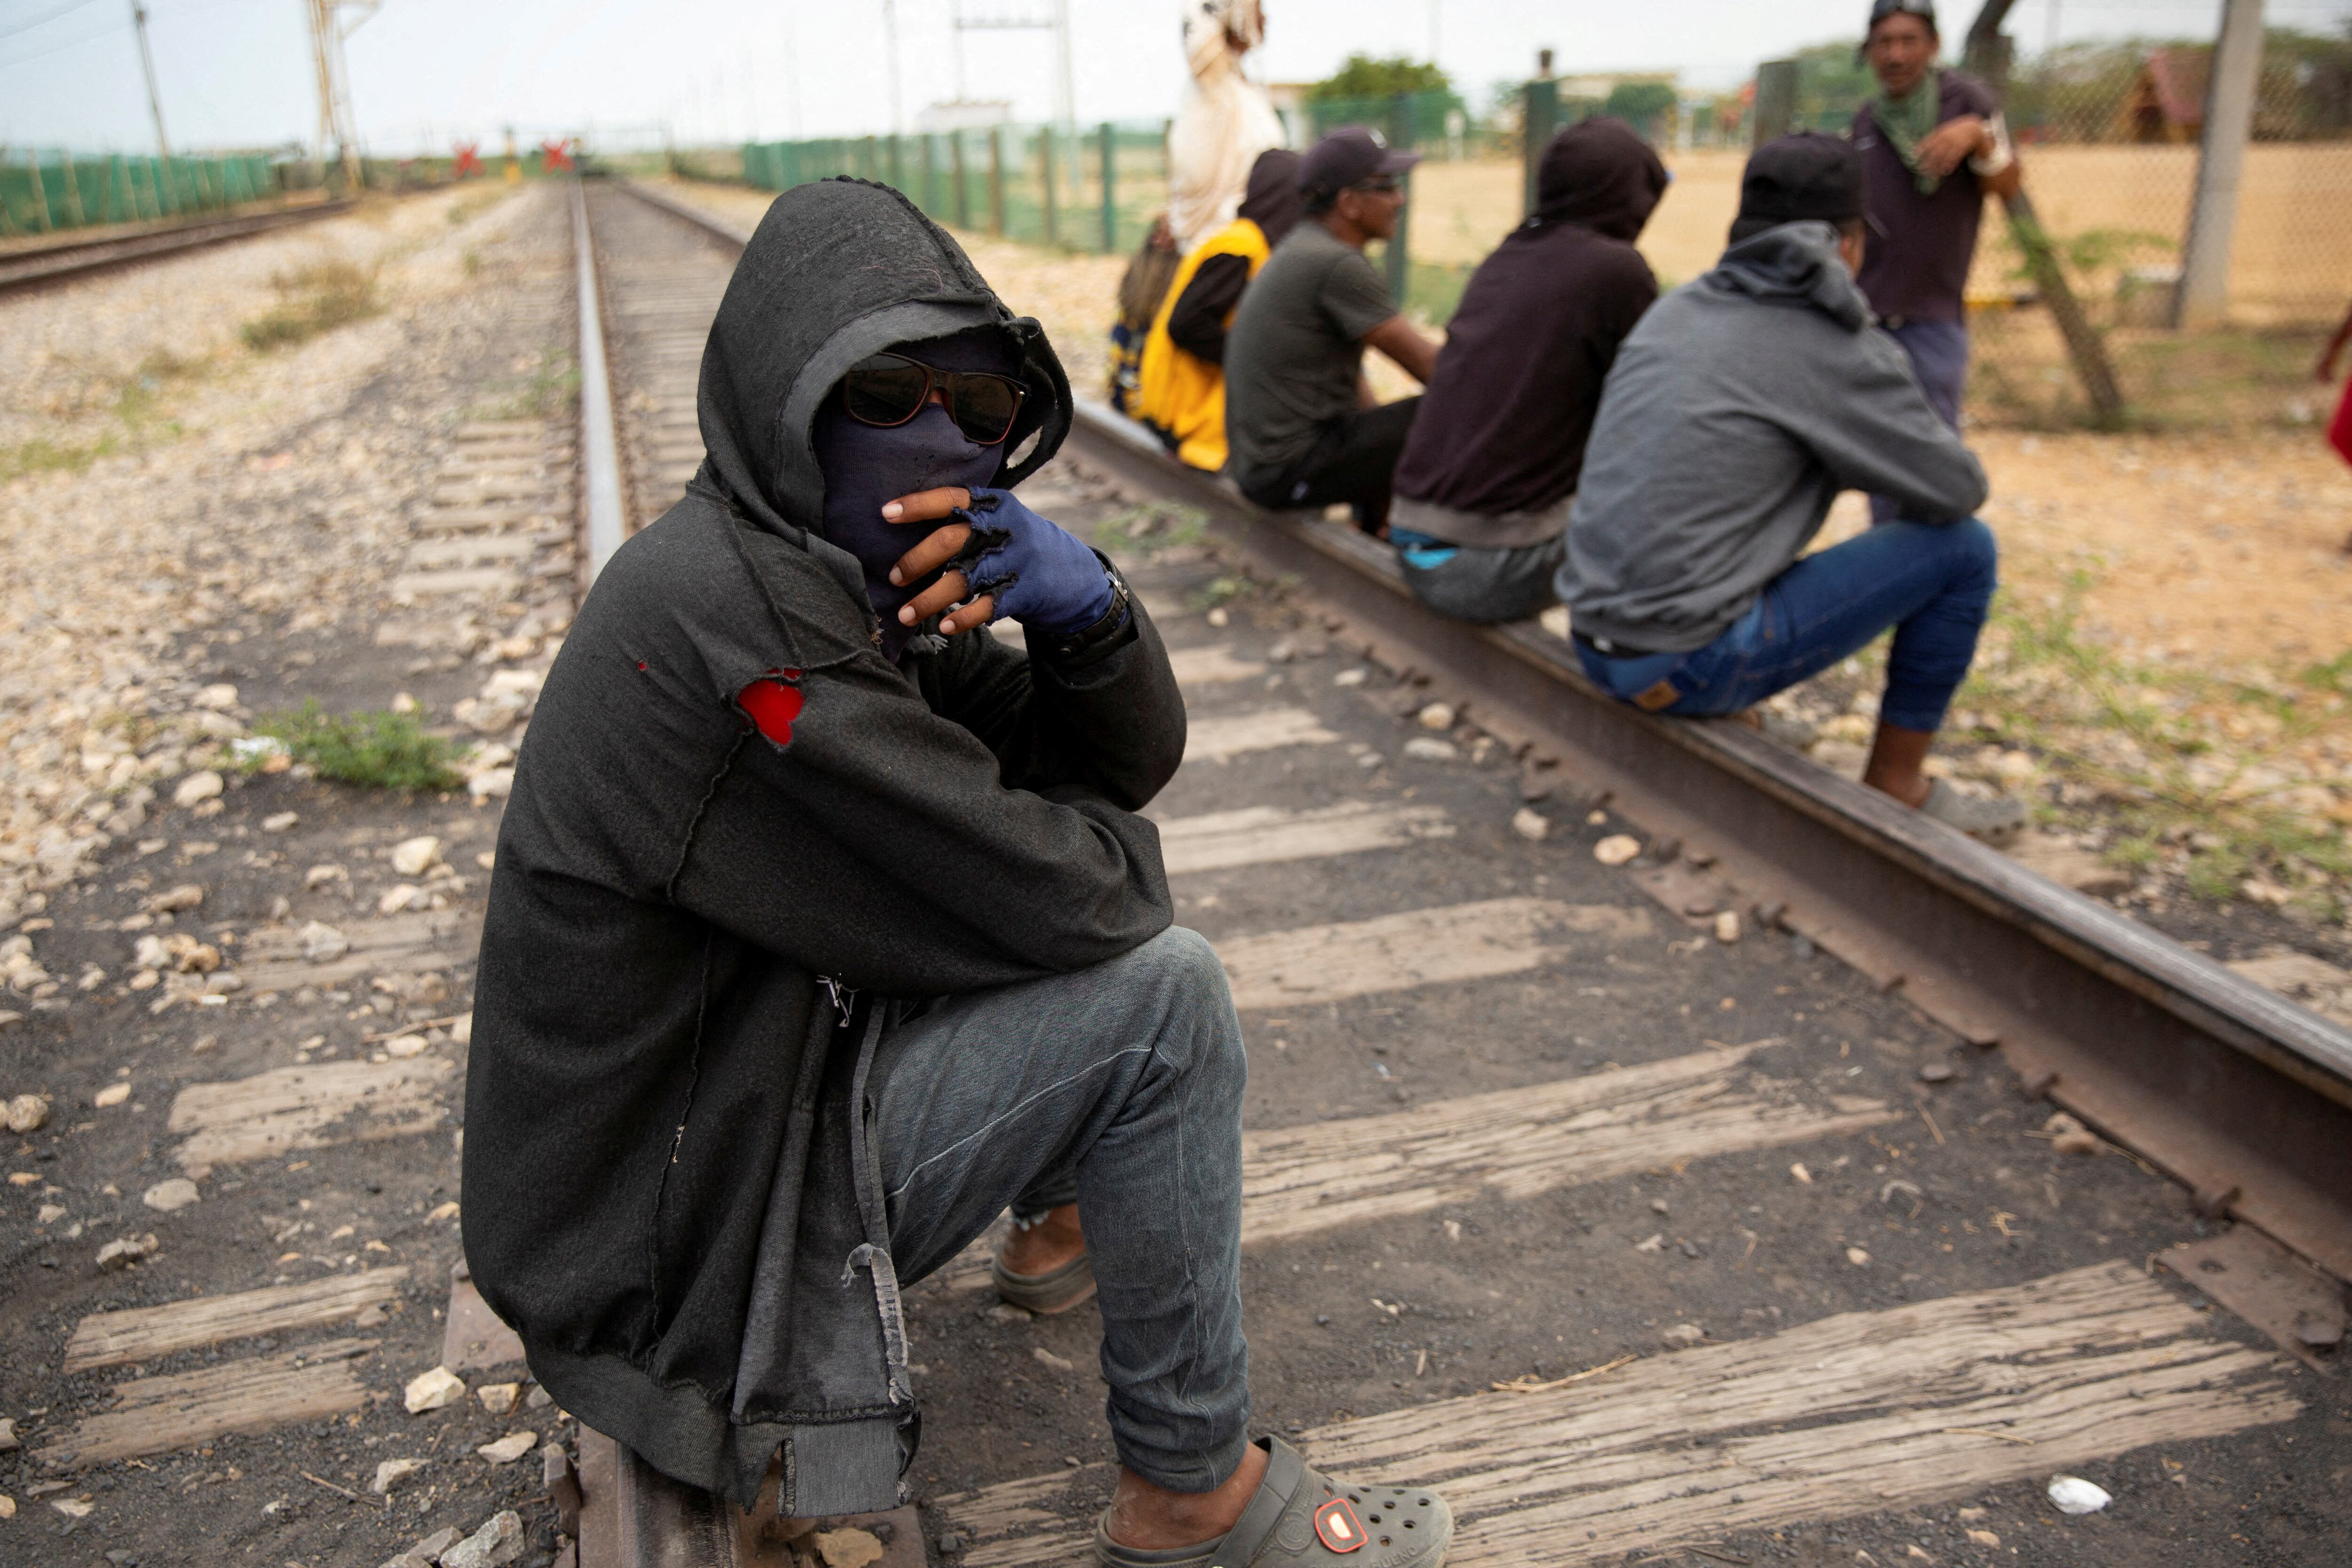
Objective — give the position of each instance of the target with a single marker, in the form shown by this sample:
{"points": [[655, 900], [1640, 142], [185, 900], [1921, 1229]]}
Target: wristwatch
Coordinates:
{"points": [[1106, 626]]}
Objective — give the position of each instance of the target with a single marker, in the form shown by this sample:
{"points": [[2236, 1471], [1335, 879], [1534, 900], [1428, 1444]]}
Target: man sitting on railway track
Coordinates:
{"points": [[1735, 412], [1480, 521], [1301, 423], [825, 928]]}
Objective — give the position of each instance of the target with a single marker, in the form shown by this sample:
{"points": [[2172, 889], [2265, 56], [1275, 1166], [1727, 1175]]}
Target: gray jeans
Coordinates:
{"points": [[1122, 1083], [1488, 586]]}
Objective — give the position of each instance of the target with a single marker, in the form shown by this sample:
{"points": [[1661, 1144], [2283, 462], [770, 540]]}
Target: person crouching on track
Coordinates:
{"points": [[1182, 395], [1737, 411], [824, 929], [1480, 519]]}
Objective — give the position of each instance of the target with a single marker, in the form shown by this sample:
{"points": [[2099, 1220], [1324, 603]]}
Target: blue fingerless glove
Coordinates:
{"points": [[1038, 574]]}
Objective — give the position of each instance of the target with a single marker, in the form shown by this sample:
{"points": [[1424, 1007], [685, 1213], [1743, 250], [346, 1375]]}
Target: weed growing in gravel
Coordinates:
{"points": [[1150, 528], [130, 408], [549, 387], [381, 750], [310, 301], [2215, 776]]}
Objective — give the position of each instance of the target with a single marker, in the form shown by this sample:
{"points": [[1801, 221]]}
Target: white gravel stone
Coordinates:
{"points": [[415, 857], [433, 1390], [125, 1250], [499, 1398], [219, 699], [167, 1196], [29, 1113], [323, 943], [113, 1094], [401, 1046], [390, 1473], [1437, 716], [496, 1543], [280, 821], [1616, 850], [1429, 749], [509, 1449], [197, 788], [1530, 823]]}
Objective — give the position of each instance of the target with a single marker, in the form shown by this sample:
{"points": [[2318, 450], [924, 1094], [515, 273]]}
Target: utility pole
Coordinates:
{"points": [[327, 34], [890, 41], [147, 62], [2204, 295]]}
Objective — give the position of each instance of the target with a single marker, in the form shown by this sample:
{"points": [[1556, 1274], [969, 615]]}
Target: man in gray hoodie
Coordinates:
{"points": [[1733, 415]]}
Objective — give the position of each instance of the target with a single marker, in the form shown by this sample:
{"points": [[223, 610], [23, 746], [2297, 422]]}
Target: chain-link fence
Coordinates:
{"points": [[2109, 134], [43, 193], [1098, 190]]}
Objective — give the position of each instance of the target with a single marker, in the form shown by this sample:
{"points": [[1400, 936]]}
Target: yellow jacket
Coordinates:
{"points": [[1182, 396]]}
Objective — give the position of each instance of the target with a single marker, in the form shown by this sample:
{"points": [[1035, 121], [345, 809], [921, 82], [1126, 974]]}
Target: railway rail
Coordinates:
{"points": [[22, 271], [2242, 1097]]}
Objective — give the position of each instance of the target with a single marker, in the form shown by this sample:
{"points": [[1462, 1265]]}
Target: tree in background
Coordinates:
{"points": [[1364, 76], [1644, 105]]}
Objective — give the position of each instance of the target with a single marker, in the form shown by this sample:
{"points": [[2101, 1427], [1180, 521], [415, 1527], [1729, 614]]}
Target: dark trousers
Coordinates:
{"points": [[1940, 356], [1353, 459]]}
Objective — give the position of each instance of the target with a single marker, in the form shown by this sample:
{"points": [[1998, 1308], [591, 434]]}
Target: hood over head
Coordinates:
{"points": [[1274, 202], [1598, 175], [838, 271], [1792, 264]]}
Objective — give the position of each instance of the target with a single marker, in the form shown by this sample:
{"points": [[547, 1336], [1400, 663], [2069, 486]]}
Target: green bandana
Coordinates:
{"points": [[1905, 121]]}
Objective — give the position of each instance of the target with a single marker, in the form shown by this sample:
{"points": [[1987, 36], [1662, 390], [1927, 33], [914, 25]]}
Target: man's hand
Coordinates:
{"points": [[1949, 145], [938, 548], [1017, 563]]}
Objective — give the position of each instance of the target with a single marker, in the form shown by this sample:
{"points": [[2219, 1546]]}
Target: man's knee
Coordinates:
{"points": [[1186, 983], [1975, 549]]}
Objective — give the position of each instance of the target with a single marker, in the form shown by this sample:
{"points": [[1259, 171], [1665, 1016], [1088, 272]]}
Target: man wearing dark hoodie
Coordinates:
{"points": [[1737, 411], [1180, 393], [823, 929], [1480, 521]]}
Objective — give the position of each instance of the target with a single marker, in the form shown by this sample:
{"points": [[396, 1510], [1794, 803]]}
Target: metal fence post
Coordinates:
{"points": [[1538, 118], [898, 172], [41, 194], [962, 205], [2204, 295], [1396, 256], [1045, 170], [996, 181], [1776, 101], [1109, 184]]}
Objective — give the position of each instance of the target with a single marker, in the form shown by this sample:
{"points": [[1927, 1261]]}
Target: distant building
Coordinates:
{"points": [[2166, 102]]}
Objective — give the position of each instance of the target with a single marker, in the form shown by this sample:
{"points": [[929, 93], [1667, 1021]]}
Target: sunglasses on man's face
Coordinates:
{"points": [[890, 389]]}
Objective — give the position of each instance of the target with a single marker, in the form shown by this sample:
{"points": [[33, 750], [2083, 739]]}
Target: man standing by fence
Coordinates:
{"points": [[1933, 147]]}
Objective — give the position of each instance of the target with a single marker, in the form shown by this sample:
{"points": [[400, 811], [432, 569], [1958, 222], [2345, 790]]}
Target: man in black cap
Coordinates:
{"points": [[1933, 147], [1735, 413], [1302, 427]]}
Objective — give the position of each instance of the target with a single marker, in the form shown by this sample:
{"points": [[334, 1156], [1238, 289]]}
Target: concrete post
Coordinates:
{"points": [[2204, 298], [1776, 101]]}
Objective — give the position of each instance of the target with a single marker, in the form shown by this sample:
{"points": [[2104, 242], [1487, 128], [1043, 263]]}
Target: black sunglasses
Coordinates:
{"points": [[890, 389]]}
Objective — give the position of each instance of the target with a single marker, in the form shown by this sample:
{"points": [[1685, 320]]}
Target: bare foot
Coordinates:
{"points": [[1044, 1245], [1146, 1518]]}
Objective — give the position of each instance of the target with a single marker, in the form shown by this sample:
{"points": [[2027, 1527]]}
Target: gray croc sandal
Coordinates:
{"points": [[1045, 1294], [1302, 1517], [1996, 821]]}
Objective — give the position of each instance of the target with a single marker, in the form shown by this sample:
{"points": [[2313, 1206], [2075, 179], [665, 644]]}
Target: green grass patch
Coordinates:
{"points": [[310, 301], [377, 749], [1152, 527]]}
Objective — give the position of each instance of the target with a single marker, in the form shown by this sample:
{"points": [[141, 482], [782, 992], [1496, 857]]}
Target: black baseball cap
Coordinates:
{"points": [[1349, 156], [1807, 175], [1923, 9]]}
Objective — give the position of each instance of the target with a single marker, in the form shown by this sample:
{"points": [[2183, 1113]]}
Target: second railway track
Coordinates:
{"points": [[1515, 1116]]}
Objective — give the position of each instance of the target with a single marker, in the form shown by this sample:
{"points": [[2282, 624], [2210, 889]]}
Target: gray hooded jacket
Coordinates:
{"points": [[1735, 413], [734, 825]]}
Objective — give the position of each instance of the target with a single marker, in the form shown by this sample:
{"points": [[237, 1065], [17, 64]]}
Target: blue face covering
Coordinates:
{"points": [[864, 466]]}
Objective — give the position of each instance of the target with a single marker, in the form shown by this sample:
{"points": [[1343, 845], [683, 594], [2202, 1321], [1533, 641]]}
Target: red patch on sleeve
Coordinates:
{"points": [[771, 703]]}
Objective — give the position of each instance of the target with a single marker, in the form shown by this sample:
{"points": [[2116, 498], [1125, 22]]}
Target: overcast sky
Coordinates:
{"points": [[237, 72]]}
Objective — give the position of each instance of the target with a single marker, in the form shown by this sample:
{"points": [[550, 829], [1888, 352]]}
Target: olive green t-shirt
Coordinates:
{"points": [[1295, 349]]}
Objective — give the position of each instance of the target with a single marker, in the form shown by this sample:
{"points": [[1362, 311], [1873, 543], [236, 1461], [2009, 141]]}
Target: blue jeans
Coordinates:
{"points": [[1122, 1085], [1939, 358], [1930, 582]]}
